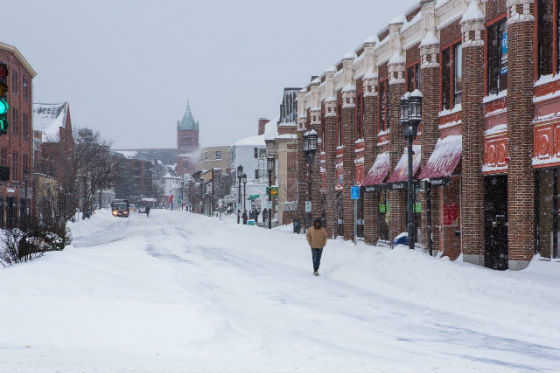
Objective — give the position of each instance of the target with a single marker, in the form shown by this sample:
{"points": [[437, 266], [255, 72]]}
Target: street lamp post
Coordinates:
{"points": [[239, 175], [309, 149], [244, 181], [410, 118], [270, 167]]}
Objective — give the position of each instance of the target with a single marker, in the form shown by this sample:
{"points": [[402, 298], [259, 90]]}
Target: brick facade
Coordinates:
{"points": [[16, 148], [513, 131]]}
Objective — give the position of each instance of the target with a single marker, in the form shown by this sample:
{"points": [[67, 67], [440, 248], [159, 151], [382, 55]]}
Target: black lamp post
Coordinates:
{"points": [[239, 174], [410, 118], [244, 181], [270, 167], [309, 149]]}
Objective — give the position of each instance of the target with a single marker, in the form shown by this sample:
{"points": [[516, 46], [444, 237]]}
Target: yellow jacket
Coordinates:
{"points": [[317, 238]]}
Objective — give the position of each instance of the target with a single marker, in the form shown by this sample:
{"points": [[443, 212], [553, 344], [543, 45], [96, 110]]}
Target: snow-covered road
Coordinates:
{"points": [[180, 292]]}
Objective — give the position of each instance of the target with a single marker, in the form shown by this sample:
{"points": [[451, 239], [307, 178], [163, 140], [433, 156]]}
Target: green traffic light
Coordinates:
{"points": [[4, 106], [3, 126]]}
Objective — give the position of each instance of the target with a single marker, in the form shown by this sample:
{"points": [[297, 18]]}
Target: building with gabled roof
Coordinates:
{"points": [[53, 140]]}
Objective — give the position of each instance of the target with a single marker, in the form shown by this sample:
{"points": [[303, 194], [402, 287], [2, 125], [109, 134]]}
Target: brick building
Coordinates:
{"points": [[16, 148], [187, 143], [488, 148], [281, 142], [135, 178]]}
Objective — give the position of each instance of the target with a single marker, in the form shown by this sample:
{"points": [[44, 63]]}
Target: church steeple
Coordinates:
{"points": [[188, 122]]}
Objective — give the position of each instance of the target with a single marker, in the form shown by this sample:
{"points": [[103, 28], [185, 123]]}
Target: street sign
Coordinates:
{"points": [[308, 206], [355, 192]]}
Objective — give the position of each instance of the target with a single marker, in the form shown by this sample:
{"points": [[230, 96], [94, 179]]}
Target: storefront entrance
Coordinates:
{"points": [[495, 219], [547, 214]]}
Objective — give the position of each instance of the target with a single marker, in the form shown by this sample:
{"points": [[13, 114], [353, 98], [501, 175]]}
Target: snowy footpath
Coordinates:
{"points": [[185, 293]]}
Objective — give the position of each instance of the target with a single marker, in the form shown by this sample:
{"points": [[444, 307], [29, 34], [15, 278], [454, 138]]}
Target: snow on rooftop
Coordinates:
{"points": [[130, 154], [429, 39], [251, 141], [349, 55], [271, 129], [48, 118], [473, 13], [371, 39], [397, 58], [397, 19]]}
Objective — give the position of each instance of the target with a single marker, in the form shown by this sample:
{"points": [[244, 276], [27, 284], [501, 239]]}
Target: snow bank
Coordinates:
{"points": [[179, 292]]}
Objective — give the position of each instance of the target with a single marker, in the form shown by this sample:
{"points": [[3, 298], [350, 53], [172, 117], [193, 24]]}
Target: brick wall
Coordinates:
{"points": [[430, 88], [473, 126], [330, 149], [397, 198], [371, 200], [348, 119], [521, 185]]}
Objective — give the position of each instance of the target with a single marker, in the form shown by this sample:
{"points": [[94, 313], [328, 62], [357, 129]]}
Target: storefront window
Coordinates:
{"points": [[413, 77], [497, 57], [546, 207], [546, 35], [383, 215], [451, 76]]}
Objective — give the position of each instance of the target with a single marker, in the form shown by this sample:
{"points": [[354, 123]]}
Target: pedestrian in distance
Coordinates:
{"points": [[317, 239], [244, 217], [238, 216], [147, 211]]}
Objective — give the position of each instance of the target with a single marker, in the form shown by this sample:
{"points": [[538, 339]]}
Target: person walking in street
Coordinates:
{"points": [[317, 239], [238, 216], [147, 211]]}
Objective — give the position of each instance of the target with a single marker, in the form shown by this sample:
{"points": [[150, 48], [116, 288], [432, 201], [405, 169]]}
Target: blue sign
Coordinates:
{"points": [[355, 192], [504, 43]]}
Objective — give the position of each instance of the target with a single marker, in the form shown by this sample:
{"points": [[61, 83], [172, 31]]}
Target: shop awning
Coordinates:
{"points": [[400, 173], [379, 171], [444, 159]]}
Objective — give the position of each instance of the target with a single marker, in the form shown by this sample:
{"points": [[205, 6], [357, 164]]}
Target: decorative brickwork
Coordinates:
{"points": [[430, 134], [521, 183], [330, 149], [348, 118], [397, 198], [472, 192], [316, 197], [371, 200]]}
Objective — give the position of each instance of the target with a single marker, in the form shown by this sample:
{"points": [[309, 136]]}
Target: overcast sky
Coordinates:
{"points": [[127, 67]]}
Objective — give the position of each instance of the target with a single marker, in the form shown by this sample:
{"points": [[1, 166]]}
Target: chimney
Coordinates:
{"points": [[262, 123]]}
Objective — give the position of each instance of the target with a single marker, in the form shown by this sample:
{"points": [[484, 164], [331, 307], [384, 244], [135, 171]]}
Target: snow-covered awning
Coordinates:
{"points": [[400, 173], [444, 159], [379, 171]]}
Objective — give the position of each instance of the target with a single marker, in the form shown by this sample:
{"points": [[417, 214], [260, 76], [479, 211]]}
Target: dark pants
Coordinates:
{"points": [[316, 253]]}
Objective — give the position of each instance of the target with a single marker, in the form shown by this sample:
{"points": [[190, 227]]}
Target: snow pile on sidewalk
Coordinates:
{"points": [[181, 292]]}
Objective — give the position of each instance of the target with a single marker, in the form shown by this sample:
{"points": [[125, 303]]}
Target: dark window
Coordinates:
{"points": [[218, 155], [25, 126], [339, 125], [360, 116], [418, 76], [413, 77], [256, 174], [4, 157], [15, 121], [383, 105], [15, 83], [26, 89], [546, 34], [15, 166], [458, 73], [256, 153], [497, 58], [451, 76]]}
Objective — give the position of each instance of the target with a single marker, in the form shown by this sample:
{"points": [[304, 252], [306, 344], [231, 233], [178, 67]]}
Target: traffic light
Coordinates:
{"points": [[4, 107]]}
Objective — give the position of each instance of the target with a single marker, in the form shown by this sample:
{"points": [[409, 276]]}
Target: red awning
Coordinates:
{"points": [[444, 159], [379, 171], [400, 173]]}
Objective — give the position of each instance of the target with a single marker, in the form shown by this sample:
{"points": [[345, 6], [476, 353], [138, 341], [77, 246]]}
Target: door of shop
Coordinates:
{"points": [[495, 218]]}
